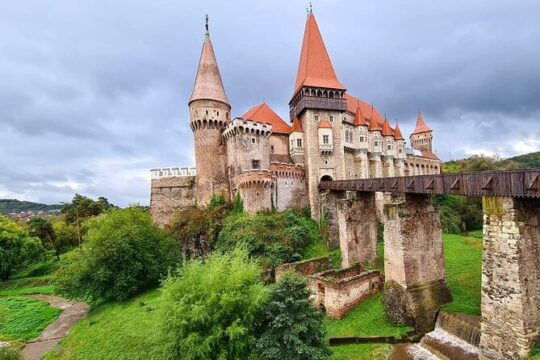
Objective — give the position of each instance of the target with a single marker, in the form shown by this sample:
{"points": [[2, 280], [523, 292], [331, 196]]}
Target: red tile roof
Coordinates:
{"points": [[264, 114], [208, 83], [386, 131], [324, 124], [373, 123], [397, 133], [359, 116], [315, 67], [421, 126], [297, 125], [365, 108], [429, 155]]}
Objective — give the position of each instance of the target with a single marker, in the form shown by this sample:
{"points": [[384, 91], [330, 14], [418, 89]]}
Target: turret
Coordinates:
{"points": [[422, 136], [209, 111], [296, 139]]}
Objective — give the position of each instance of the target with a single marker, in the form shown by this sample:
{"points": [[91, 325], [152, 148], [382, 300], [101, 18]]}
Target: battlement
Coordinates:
{"points": [[173, 172], [241, 126], [285, 170], [256, 178]]}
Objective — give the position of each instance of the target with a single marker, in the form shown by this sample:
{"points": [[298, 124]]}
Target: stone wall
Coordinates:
{"points": [[510, 278], [357, 223], [256, 189], [329, 218], [279, 148], [291, 185], [169, 194], [305, 267]]}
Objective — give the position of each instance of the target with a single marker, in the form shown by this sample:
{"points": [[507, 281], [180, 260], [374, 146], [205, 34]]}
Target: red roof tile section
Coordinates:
{"points": [[324, 124], [208, 83], [359, 116], [352, 107], [386, 131], [429, 155], [397, 133], [297, 125], [373, 123], [421, 126], [315, 68], [264, 114]]}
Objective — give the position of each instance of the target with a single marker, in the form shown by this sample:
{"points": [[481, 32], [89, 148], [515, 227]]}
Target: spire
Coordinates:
{"points": [[315, 67], [208, 83], [359, 118], [421, 126], [297, 125], [207, 33], [397, 133], [373, 125], [386, 131]]}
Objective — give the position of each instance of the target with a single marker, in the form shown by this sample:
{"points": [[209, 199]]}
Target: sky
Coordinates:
{"points": [[93, 93]]}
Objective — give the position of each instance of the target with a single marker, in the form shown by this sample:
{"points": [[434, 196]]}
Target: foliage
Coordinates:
{"points": [[66, 236], [319, 249], [12, 205], [126, 330], [17, 248], [459, 213], [291, 328], [10, 353], [82, 208], [274, 238], [463, 258], [123, 253], [238, 203], [24, 318], [43, 229], [209, 309], [197, 229]]}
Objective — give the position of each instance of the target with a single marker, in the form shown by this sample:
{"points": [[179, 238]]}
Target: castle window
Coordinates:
{"points": [[325, 139], [218, 113], [389, 147], [376, 143], [255, 164], [316, 117], [331, 119], [299, 142], [361, 139], [253, 140], [272, 149], [344, 118], [206, 112], [227, 115]]}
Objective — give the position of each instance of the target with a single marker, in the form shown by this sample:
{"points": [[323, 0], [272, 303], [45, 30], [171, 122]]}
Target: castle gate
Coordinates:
{"points": [[415, 285]]}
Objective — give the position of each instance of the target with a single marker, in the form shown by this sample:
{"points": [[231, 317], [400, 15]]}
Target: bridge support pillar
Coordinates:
{"points": [[328, 221], [415, 285], [357, 223], [510, 277]]}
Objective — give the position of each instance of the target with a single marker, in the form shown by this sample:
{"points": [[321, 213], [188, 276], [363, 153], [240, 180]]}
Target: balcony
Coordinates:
{"points": [[326, 148]]}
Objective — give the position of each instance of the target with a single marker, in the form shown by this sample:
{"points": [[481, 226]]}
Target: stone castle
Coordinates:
{"points": [[331, 135]]}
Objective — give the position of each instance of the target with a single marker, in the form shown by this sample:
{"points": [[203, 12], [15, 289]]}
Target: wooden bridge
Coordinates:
{"points": [[513, 183]]}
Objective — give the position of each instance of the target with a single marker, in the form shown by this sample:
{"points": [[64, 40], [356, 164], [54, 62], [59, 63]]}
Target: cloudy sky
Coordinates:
{"points": [[93, 93]]}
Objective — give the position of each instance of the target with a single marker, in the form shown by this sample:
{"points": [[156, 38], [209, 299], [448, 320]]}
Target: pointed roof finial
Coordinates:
{"points": [[207, 33], [310, 8]]}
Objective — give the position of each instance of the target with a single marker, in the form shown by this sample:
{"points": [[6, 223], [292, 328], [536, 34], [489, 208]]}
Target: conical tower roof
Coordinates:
{"points": [[208, 83], [359, 117], [397, 133], [421, 126], [315, 67], [373, 125], [264, 114], [297, 125], [386, 131]]}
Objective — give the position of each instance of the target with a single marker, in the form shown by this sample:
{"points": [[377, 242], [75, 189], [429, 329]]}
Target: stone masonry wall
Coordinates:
{"points": [[329, 216], [168, 195], [291, 185], [510, 278], [357, 223]]}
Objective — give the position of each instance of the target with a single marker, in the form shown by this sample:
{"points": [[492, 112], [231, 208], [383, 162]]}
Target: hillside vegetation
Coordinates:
{"points": [[12, 205]]}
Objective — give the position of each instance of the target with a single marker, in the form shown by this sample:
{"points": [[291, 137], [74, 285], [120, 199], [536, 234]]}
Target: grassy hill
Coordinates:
{"points": [[483, 163], [12, 205]]}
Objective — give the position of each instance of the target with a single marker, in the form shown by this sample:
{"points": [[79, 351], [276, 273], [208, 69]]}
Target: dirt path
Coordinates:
{"points": [[52, 334]]}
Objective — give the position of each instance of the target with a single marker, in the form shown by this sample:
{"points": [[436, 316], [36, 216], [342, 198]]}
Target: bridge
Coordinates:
{"points": [[415, 284]]}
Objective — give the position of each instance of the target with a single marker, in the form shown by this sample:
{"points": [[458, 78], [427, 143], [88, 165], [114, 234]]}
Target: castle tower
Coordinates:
{"points": [[209, 112], [375, 146], [296, 138], [388, 149], [400, 154], [319, 98], [422, 136], [361, 162]]}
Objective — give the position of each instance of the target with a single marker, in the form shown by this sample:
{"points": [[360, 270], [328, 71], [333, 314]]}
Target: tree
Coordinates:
{"points": [[80, 209], [123, 253], [291, 328], [43, 229], [17, 248], [209, 309]]}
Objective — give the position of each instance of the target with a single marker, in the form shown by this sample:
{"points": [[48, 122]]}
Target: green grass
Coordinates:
{"points": [[116, 330], [24, 318], [463, 256], [476, 233], [27, 286], [319, 249], [367, 319]]}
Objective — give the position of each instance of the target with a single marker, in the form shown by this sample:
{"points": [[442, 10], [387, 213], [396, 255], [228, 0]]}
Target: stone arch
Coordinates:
{"points": [[326, 178]]}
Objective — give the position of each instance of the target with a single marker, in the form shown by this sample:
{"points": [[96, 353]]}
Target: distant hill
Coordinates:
{"points": [[531, 160], [482, 163], [12, 205]]}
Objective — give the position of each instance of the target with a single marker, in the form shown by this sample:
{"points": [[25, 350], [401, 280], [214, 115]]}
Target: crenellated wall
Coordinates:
{"points": [[256, 189], [169, 194], [291, 185]]}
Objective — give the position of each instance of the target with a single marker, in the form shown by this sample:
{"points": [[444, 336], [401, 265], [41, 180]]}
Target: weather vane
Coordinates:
{"points": [[206, 24]]}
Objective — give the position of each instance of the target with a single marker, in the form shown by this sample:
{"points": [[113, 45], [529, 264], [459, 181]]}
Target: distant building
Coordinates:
{"points": [[274, 164]]}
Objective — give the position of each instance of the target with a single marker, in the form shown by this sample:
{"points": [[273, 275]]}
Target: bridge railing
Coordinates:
{"points": [[515, 183]]}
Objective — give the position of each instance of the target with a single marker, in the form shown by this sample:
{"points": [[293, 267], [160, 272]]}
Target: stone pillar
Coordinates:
{"points": [[357, 222], [388, 166], [328, 221], [510, 278], [415, 287]]}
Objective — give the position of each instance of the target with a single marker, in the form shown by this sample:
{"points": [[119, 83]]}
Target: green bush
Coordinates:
{"points": [[17, 248], [274, 238], [208, 311], [459, 213], [9, 353], [123, 253], [291, 328]]}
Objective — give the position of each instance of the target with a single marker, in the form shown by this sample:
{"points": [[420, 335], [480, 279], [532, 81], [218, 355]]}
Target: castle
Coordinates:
{"points": [[331, 135]]}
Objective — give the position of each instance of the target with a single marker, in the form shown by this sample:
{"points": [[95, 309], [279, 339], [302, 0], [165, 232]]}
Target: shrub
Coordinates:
{"points": [[9, 353], [291, 328], [275, 238], [208, 310], [123, 253], [17, 248]]}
